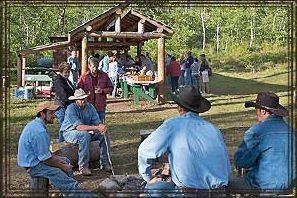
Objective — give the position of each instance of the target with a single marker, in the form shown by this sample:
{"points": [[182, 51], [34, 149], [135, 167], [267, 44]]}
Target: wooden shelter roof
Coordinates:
{"points": [[104, 26]]}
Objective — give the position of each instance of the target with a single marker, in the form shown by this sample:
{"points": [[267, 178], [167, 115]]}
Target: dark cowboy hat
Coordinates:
{"points": [[190, 98], [268, 101]]}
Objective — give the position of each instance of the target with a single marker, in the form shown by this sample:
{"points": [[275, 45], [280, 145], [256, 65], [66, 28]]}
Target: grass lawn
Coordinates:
{"points": [[228, 93]]}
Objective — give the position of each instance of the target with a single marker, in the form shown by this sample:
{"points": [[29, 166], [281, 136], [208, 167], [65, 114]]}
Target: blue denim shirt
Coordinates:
{"points": [[75, 115], [104, 64], [34, 144], [196, 150], [266, 151]]}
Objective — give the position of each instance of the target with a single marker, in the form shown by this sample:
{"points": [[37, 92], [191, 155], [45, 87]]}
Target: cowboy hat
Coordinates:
{"points": [[190, 98], [79, 94], [268, 101], [46, 105]]}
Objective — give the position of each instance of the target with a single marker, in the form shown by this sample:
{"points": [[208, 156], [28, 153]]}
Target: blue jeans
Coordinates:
{"points": [[188, 76], [60, 179], [60, 114], [160, 189], [114, 81], [83, 139], [182, 78], [101, 115], [195, 81]]}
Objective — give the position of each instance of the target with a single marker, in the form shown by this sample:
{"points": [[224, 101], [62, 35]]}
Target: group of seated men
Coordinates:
{"points": [[197, 154]]}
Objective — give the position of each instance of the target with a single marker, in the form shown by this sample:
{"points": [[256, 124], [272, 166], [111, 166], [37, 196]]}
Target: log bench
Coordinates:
{"points": [[70, 151]]}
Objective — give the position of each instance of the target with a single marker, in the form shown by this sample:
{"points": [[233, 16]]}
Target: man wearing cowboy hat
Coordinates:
{"points": [[35, 156], [81, 125], [266, 149], [196, 150]]}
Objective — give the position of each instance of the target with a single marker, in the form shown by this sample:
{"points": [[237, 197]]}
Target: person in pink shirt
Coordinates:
{"points": [[174, 72], [98, 85]]}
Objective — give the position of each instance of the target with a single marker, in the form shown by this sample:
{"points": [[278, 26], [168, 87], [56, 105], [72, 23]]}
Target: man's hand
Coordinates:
{"points": [[155, 179], [102, 128]]}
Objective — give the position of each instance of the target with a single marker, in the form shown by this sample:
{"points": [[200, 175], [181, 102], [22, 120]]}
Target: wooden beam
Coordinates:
{"points": [[53, 46], [84, 54], [161, 70], [110, 44], [146, 35], [139, 46]]}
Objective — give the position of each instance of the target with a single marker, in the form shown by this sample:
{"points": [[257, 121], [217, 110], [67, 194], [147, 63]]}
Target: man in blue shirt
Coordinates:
{"points": [[35, 156], [266, 151], [104, 63], [75, 67], [196, 150], [81, 125]]}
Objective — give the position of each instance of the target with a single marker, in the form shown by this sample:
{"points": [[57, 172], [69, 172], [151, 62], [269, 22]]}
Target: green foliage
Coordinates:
{"points": [[235, 37]]}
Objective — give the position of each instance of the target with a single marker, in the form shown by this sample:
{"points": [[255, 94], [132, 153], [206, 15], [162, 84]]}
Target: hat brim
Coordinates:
{"points": [[79, 97], [52, 107], [204, 106], [279, 110]]}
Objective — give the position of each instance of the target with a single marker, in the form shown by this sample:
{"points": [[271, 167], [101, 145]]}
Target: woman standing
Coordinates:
{"points": [[98, 85], [63, 89]]}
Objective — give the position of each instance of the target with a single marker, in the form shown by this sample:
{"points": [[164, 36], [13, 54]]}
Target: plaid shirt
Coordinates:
{"points": [[88, 83]]}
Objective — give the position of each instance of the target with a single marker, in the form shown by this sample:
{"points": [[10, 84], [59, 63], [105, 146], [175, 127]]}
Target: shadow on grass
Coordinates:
{"points": [[142, 110], [239, 86]]}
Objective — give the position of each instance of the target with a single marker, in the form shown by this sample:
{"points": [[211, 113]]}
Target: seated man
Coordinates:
{"points": [[266, 149], [81, 125], [35, 156], [196, 150]]}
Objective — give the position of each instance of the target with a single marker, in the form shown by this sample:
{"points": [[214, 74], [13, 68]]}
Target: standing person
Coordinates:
{"points": [[113, 74], [98, 85], [174, 72], [35, 156], [204, 77], [167, 63], [104, 63], [195, 67], [196, 150], [82, 125], [189, 62], [266, 151], [75, 67], [181, 79], [63, 89]]}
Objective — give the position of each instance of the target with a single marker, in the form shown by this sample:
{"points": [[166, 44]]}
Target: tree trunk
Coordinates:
{"points": [[203, 28], [218, 39], [252, 32]]}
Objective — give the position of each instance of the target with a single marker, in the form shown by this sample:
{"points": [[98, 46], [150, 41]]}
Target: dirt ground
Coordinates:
{"points": [[18, 177]]}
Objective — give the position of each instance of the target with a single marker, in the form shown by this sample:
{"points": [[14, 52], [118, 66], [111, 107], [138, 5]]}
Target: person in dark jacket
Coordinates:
{"points": [[63, 89]]}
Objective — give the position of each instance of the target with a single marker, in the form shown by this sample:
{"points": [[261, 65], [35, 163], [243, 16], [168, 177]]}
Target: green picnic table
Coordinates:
{"points": [[137, 89]]}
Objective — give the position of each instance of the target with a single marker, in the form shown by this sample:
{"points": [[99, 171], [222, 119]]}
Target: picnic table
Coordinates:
{"points": [[140, 89]]}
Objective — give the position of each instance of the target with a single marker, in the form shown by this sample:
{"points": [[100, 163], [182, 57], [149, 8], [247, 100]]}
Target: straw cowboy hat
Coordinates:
{"points": [[46, 105], [79, 94], [190, 98], [268, 101]]}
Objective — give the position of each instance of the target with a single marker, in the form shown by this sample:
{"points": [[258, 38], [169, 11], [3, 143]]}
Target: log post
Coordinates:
{"points": [[118, 21], [140, 27], [39, 186], [139, 46], [84, 54], [161, 70]]}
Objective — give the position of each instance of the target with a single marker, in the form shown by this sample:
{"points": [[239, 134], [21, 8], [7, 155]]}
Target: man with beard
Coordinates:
{"points": [[34, 154]]}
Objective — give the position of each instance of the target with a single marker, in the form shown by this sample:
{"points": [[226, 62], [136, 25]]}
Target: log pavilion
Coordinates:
{"points": [[116, 29]]}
